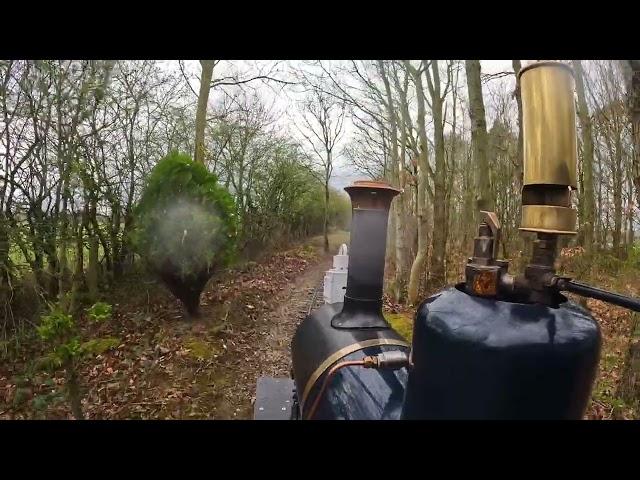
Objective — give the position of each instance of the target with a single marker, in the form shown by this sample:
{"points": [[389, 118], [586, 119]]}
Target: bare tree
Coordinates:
{"points": [[586, 195], [201, 112], [517, 66], [397, 167], [207, 82], [631, 72], [322, 127], [478, 134], [438, 95], [422, 185]]}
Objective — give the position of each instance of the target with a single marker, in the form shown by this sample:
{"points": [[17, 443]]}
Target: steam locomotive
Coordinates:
{"points": [[496, 346]]}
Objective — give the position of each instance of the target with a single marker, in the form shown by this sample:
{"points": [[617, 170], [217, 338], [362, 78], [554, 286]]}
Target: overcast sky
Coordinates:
{"points": [[282, 103]]}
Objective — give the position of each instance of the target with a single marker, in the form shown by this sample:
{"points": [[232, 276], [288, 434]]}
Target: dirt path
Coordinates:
{"points": [[261, 346], [267, 343]]}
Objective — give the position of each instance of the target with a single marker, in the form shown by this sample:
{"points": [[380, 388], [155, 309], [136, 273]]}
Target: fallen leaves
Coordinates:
{"points": [[164, 366], [617, 325]]}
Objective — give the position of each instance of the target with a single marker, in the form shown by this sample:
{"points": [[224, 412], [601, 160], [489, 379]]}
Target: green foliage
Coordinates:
{"points": [[50, 362], [288, 202], [99, 312], [184, 219], [68, 350], [59, 331], [339, 210], [57, 324], [633, 260]]}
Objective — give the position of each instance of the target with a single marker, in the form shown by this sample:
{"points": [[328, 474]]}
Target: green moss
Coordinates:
{"points": [[200, 349], [308, 251], [217, 328], [219, 381], [98, 346], [401, 323]]}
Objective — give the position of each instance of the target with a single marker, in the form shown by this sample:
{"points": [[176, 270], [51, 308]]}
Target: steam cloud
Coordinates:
{"points": [[186, 235]]}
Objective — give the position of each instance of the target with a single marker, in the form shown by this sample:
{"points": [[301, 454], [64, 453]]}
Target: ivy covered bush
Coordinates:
{"points": [[185, 227]]}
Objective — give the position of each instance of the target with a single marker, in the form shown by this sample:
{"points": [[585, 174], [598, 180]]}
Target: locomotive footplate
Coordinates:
{"points": [[275, 399]]}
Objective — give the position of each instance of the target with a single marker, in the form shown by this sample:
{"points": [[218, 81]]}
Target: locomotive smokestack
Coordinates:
{"points": [[370, 202]]}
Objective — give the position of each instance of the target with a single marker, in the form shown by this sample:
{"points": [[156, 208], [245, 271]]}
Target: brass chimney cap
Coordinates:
{"points": [[371, 194], [546, 63], [373, 184]]}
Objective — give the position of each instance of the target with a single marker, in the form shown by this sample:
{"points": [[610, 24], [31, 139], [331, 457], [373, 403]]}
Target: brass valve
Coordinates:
{"points": [[483, 270]]}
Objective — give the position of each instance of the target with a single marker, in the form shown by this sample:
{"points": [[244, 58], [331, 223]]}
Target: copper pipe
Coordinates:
{"points": [[327, 379]]}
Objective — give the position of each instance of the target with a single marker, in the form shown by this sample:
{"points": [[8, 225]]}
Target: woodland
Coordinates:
{"points": [[153, 214]]}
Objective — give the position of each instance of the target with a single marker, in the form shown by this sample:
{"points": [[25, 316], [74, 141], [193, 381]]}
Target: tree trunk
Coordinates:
{"points": [[4, 254], [92, 270], [52, 268], [78, 273], [417, 268], [478, 135], [201, 112], [630, 209], [617, 197], [401, 258], [403, 203], [116, 245], [439, 219], [635, 125], [391, 244], [517, 94], [326, 213], [400, 262], [631, 73], [125, 257], [587, 194], [73, 391], [468, 207], [63, 268], [600, 229]]}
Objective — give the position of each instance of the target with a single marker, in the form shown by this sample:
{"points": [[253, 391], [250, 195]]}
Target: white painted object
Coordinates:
{"points": [[335, 280]]}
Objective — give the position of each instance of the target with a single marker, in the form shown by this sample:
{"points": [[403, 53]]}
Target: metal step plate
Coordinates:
{"points": [[274, 399]]}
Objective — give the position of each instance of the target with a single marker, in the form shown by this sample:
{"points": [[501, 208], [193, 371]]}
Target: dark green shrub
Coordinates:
{"points": [[185, 226]]}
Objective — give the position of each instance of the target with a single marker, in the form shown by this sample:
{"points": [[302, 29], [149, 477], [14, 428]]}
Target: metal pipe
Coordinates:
{"points": [[392, 360], [599, 294], [327, 380]]}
